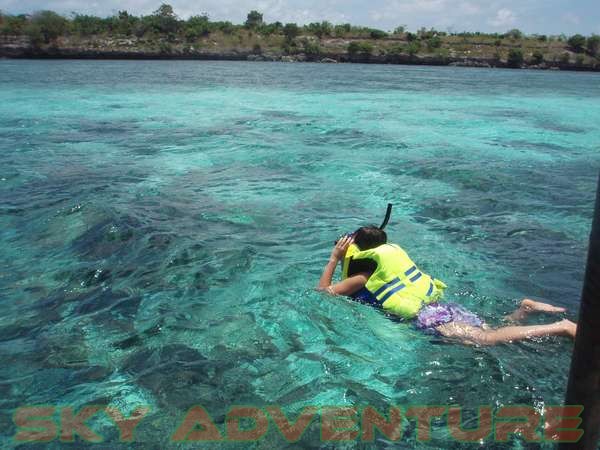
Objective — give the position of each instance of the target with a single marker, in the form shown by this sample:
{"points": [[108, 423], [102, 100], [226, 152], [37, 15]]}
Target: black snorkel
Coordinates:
{"points": [[388, 213]]}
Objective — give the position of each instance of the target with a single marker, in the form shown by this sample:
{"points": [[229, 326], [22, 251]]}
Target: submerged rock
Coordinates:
{"points": [[106, 238], [117, 301], [178, 376]]}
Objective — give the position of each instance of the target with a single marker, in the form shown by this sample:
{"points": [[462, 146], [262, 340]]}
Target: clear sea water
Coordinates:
{"points": [[163, 224]]}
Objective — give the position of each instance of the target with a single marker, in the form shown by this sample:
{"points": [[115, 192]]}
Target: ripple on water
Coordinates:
{"points": [[159, 246]]}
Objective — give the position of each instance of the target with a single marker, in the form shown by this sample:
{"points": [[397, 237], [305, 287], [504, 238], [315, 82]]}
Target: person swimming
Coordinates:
{"points": [[383, 275]]}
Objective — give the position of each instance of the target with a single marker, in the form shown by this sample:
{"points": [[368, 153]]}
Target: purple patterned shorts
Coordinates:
{"points": [[436, 314]]}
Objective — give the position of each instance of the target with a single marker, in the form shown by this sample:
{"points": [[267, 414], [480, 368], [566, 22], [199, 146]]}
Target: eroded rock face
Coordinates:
{"points": [[14, 46]]}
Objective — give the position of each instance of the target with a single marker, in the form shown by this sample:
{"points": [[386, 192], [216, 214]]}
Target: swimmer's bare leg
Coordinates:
{"points": [[468, 334], [529, 306]]}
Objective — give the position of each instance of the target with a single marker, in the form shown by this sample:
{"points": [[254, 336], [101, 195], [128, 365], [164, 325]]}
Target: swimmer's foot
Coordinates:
{"points": [[532, 305], [529, 306], [570, 328]]}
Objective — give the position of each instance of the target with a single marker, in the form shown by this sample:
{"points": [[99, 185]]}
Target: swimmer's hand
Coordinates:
{"points": [[339, 251]]}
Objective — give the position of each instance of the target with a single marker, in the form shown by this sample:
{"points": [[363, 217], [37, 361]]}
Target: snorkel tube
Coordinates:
{"points": [[388, 214], [353, 248]]}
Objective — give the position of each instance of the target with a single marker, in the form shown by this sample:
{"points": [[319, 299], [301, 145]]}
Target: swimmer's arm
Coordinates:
{"points": [[349, 286], [336, 255], [326, 277]]}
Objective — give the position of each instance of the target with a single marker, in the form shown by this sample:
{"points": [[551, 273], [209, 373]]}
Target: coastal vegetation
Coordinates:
{"points": [[164, 34]]}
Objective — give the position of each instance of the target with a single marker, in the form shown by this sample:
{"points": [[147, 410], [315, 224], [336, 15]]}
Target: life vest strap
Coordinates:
{"points": [[394, 285], [386, 286], [430, 289], [392, 292]]}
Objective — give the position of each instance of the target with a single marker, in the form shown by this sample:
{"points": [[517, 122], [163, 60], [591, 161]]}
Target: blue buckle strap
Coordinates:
{"points": [[430, 289], [386, 286], [392, 292], [416, 277], [392, 284]]}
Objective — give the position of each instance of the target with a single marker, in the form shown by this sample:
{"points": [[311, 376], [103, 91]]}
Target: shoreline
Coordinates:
{"points": [[329, 59], [19, 47]]}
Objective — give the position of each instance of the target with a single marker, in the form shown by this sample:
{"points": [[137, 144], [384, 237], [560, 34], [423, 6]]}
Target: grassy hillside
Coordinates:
{"points": [[164, 34]]}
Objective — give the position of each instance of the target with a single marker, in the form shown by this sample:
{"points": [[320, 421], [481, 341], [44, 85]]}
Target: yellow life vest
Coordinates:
{"points": [[397, 284]]}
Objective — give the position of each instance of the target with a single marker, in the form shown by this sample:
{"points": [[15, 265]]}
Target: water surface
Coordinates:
{"points": [[162, 225]]}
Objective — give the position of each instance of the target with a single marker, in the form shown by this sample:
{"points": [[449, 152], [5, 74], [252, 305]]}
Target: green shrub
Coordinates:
{"points": [[165, 47], [290, 31], [257, 49], [434, 42], [46, 26], [413, 48], [320, 29], [123, 23], [13, 25], [593, 44], [196, 27], [537, 57], [514, 34], [396, 49], [411, 37], [342, 30], [515, 58], [163, 20], [268, 29], [577, 43], [254, 19], [377, 34], [565, 58], [225, 27], [360, 48], [311, 48]]}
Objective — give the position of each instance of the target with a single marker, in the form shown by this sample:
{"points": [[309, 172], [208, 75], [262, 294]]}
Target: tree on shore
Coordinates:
{"points": [[46, 26], [377, 34], [320, 29], [164, 19], [342, 30], [13, 25], [196, 27], [515, 58], [124, 23], [593, 44], [514, 34], [254, 20], [577, 43], [290, 31]]}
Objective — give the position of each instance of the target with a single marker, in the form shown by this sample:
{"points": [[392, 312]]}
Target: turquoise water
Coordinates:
{"points": [[162, 225]]}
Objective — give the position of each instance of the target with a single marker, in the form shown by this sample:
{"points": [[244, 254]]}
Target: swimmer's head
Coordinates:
{"points": [[369, 237]]}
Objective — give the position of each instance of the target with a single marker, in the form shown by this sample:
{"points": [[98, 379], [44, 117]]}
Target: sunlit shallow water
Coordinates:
{"points": [[162, 225]]}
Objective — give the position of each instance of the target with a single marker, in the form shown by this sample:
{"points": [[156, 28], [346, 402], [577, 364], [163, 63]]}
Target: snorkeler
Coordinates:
{"points": [[383, 275]]}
